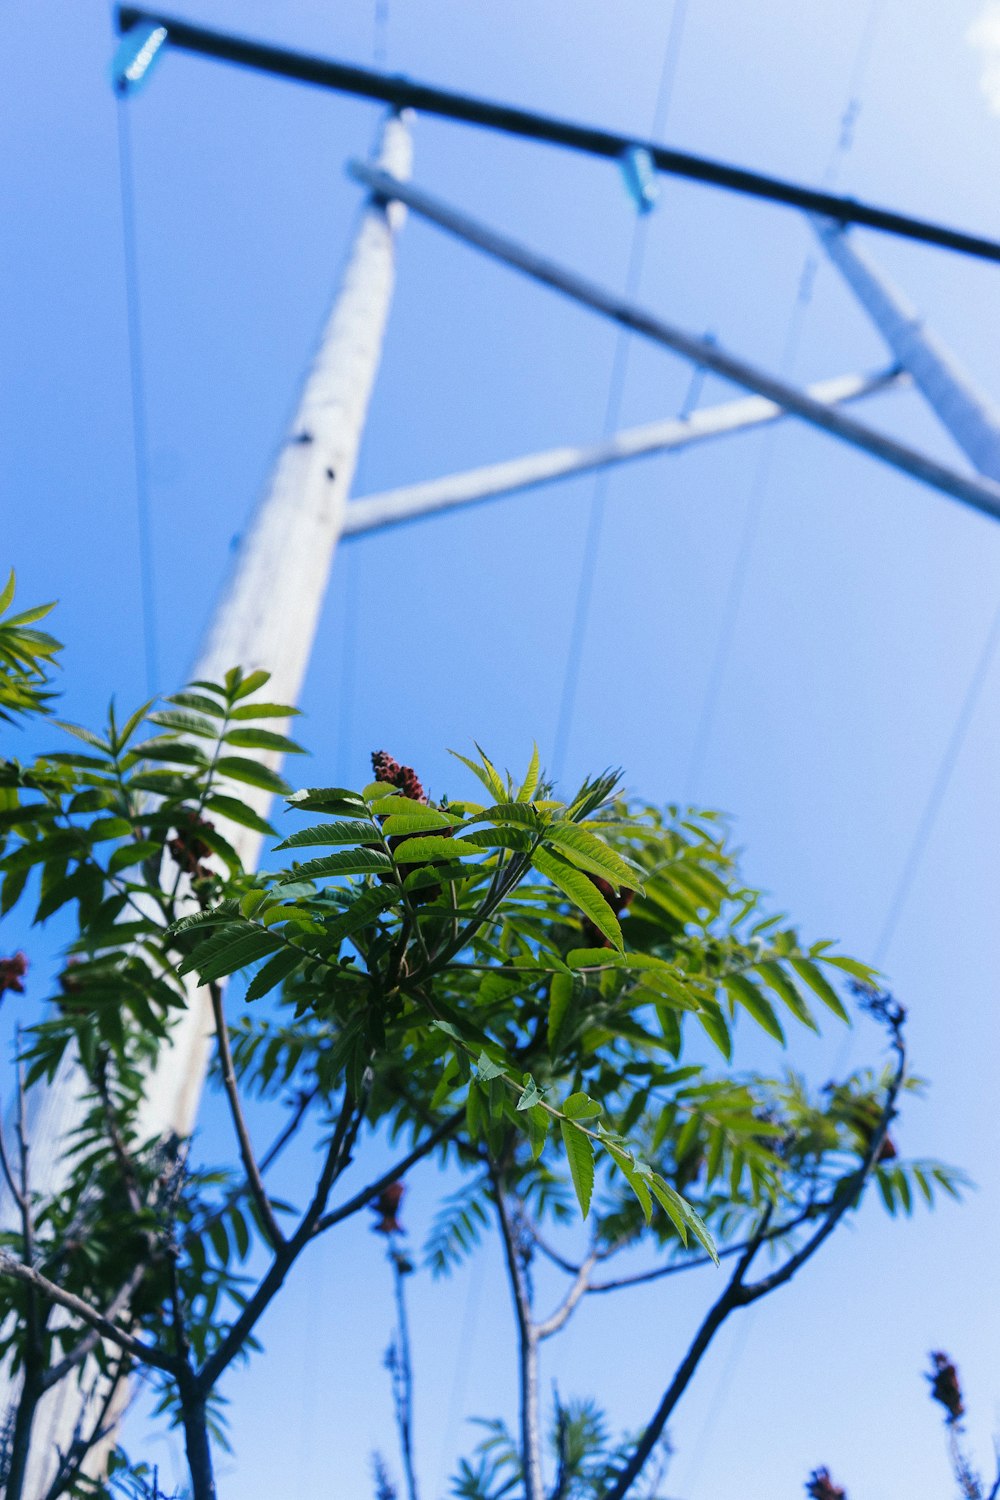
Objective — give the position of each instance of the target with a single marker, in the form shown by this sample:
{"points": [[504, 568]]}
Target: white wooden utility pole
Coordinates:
{"points": [[972, 420], [266, 617]]}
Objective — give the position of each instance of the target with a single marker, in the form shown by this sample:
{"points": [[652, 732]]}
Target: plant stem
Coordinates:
{"points": [[531, 1440]]}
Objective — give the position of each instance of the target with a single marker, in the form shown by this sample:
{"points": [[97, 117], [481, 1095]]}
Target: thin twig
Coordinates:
{"points": [[737, 1294], [360, 1200], [147, 1353], [531, 1457], [229, 1083], [71, 1462], [568, 1305], [90, 1340], [676, 1267]]}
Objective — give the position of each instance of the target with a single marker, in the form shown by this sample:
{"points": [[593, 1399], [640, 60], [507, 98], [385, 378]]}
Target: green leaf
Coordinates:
{"points": [[418, 850], [265, 711], [581, 1107], [328, 799], [580, 1155], [682, 1215], [263, 739], [864, 972], [341, 832], [234, 947], [560, 997], [250, 683], [538, 1120], [183, 723], [742, 992], [274, 971], [13, 885], [530, 783], [635, 1180], [132, 854], [238, 812], [417, 818], [714, 1022], [238, 768], [773, 975], [820, 985], [488, 1069], [593, 854], [532, 1094], [199, 702], [486, 774], [581, 892], [351, 862]]}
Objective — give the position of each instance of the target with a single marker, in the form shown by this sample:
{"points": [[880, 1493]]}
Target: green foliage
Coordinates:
{"points": [[516, 983], [26, 658]]}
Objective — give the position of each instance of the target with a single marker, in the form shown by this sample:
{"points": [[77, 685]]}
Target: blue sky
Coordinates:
{"points": [[865, 605]]}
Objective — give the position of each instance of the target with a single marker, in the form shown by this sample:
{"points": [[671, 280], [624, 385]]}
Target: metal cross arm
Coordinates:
{"points": [[476, 486], [405, 93], [981, 494]]}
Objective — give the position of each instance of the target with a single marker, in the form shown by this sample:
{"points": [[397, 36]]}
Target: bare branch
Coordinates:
{"points": [[675, 1268], [566, 1308], [715, 1317], [146, 1353], [313, 1223], [846, 1199], [250, 1167], [531, 1444], [737, 1294], [71, 1462], [362, 1199], [90, 1340]]}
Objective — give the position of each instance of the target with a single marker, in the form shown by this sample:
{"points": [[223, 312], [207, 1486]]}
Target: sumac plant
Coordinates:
{"points": [[504, 981]]}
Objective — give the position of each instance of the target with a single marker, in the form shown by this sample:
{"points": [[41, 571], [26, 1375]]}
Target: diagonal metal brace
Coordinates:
{"points": [[476, 486], [981, 494]]}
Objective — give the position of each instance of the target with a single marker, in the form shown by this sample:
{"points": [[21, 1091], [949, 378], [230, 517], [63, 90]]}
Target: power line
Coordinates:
{"points": [[137, 388], [760, 482], [939, 787], [612, 415], [380, 47], [405, 93]]}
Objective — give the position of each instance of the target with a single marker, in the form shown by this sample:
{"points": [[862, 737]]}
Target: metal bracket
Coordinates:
{"points": [[136, 53]]}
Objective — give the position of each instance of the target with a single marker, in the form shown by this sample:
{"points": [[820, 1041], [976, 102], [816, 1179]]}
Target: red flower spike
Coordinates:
{"points": [[387, 1204], [822, 1487], [12, 972], [619, 901], [188, 850], [945, 1387]]}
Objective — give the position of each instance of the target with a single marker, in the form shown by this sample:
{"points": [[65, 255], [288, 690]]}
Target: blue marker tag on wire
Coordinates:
{"points": [[639, 172], [137, 51]]}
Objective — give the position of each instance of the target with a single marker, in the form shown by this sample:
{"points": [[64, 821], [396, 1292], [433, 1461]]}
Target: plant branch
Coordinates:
{"points": [[360, 1200], [90, 1340], [848, 1197], [71, 1462], [712, 1322], [531, 1443], [146, 1353], [569, 1303], [250, 1167]]}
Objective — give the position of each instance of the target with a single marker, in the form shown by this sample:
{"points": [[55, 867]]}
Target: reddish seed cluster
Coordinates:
{"points": [[404, 777], [387, 1205], [188, 850], [945, 1387], [822, 1487], [887, 1151], [12, 972], [619, 901]]}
